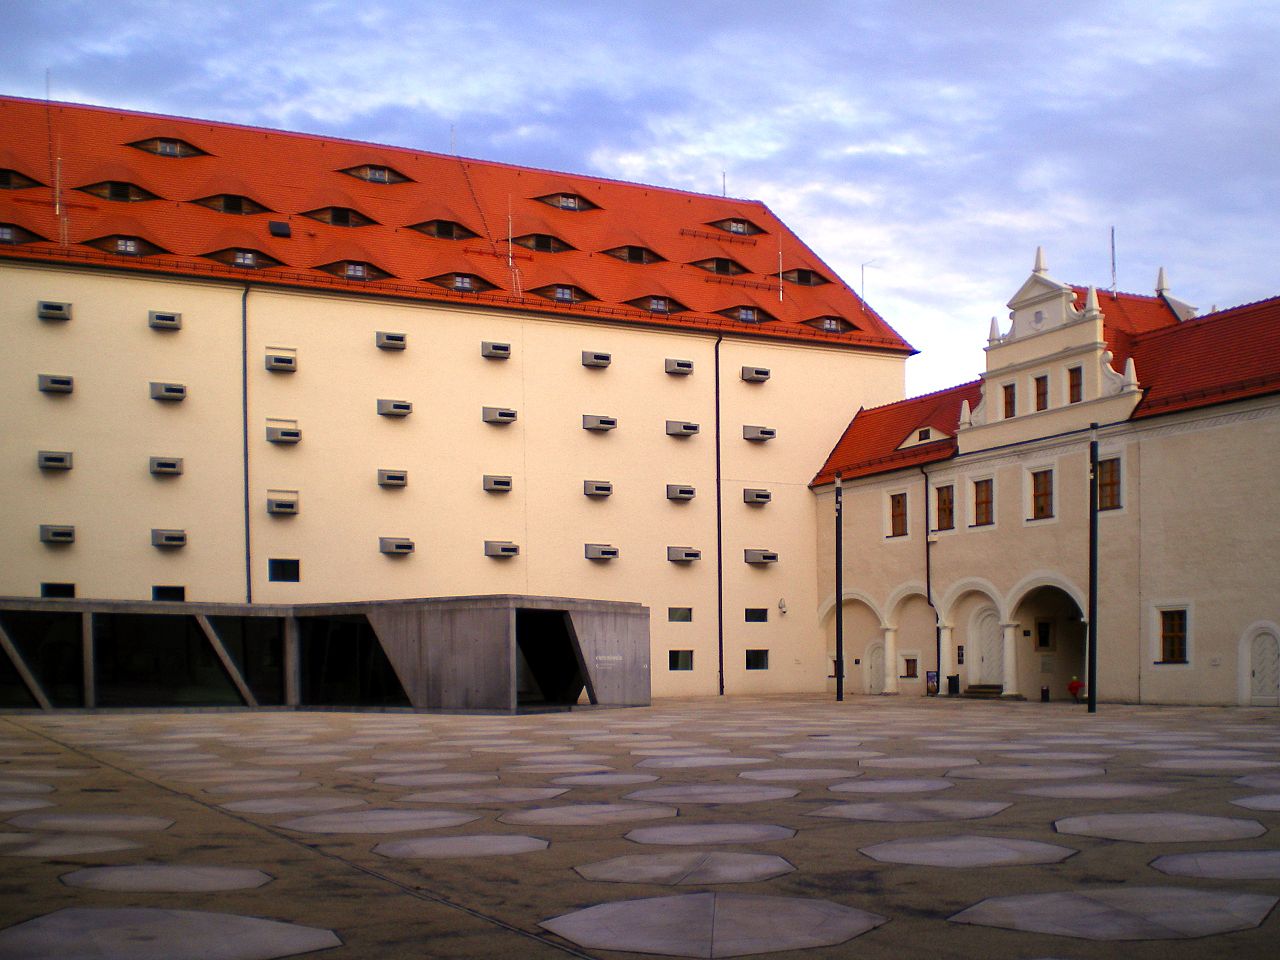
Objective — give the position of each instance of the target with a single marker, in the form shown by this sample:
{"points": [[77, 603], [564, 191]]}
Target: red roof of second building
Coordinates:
{"points": [[292, 175]]}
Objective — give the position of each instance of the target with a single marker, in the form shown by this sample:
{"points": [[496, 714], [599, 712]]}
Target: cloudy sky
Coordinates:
{"points": [[928, 147]]}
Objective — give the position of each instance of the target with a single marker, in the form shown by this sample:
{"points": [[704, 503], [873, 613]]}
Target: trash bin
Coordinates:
{"points": [[1044, 694], [953, 684]]}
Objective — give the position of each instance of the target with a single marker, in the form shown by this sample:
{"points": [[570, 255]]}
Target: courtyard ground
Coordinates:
{"points": [[876, 828]]}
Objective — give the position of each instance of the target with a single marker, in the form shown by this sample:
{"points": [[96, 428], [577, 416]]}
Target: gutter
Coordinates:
{"points": [[719, 532], [244, 437], [928, 584]]}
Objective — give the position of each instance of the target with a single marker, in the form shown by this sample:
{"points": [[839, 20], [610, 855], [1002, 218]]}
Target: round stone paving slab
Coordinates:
{"points": [[1265, 801], [799, 774], [917, 785], [1222, 864], [1260, 781], [264, 786], [435, 779], [917, 763], [1210, 765], [713, 793], [967, 851], [475, 845], [91, 822], [486, 795], [689, 763], [1166, 827], [291, 804], [700, 833], [24, 786], [913, 811], [71, 845], [713, 925], [156, 878], [378, 821], [145, 933], [677, 869], [589, 814], [1020, 771], [18, 804], [605, 779], [1123, 913], [1098, 791]]}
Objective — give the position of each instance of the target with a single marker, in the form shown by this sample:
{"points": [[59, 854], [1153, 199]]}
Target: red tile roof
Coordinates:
{"points": [[1229, 355], [292, 173]]}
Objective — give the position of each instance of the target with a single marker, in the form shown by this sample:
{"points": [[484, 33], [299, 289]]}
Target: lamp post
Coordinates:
{"points": [[839, 587], [1093, 569]]}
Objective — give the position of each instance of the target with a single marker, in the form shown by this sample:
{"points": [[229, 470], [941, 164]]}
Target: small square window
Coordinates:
{"points": [[6, 234], [284, 571], [377, 174], [61, 591], [925, 434], [679, 659], [356, 271], [245, 258], [832, 325], [910, 668], [659, 305], [679, 614], [564, 293], [736, 226], [168, 148], [126, 245], [568, 201], [757, 615], [757, 659], [747, 314], [168, 593], [462, 281]]}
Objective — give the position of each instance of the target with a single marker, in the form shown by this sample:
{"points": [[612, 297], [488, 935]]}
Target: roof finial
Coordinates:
{"points": [[1162, 284], [994, 336], [1040, 266], [1091, 308], [966, 416], [1130, 375]]}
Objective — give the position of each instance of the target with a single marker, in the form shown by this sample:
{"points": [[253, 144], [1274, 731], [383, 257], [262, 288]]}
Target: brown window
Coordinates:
{"points": [[1010, 400], [983, 503], [1042, 393], [898, 515], [910, 668], [1109, 484], [1075, 384], [1041, 494], [1044, 635], [1173, 636], [946, 508]]}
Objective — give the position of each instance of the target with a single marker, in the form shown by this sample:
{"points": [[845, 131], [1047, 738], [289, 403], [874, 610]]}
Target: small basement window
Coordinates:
{"points": [[284, 571], [757, 615], [757, 659], [168, 593], [679, 659], [59, 591], [679, 614]]}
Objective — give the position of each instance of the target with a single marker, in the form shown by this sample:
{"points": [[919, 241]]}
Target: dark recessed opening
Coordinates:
{"points": [[168, 593], [50, 645], [157, 660], [62, 591], [757, 659], [757, 614], [344, 665], [284, 571], [548, 661]]}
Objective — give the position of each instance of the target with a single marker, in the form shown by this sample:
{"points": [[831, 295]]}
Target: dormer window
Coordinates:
{"points": [[805, 278], [168, 147], [375, 173], [658, 304], [354, 270], [119, 191], [125, 246], [747, 314], [13, 180], [721, 265], [11, 233], [830, 324], [232, 203], [462, 282], [633, 254], [444, 230], [737, 225], [340, 217], [244, 258], [563, 293], [568, 201], [924, 435], [542, 242]]}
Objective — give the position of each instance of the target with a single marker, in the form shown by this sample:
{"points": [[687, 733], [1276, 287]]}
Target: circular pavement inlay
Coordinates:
{"points": [[378, 821], [678, 869], [485, 795], [713, 925], [700, 833], [70, 845], [24, 786], [918, 763], [291, 804], [605, 779], [1222, 864], [155, 878], [1097, 791], [799, 774], [913, 811], [966, 851], [712, 793], [1264, 801], [1123, 913], [91, 822], [435, 779], [1164, 827], [918, 785], [1017, 771], [589, 814], [1210, 765], [264, 786], [687, 763], [476, 845], [18, 804], [145, 933]]}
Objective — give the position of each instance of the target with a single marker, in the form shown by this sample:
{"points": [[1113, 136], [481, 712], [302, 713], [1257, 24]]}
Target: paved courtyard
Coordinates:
{"points": [[876, 828]]}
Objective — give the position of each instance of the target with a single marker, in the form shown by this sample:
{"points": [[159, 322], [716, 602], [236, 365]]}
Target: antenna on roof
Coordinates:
{"points": [[724, 184], [1113, 261], [779, 266], [55, 161]]}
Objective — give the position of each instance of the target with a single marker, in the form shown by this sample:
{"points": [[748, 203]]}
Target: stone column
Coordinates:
{"points": [[890, 659], [946, 657], [1011, 633], [292, 662]]}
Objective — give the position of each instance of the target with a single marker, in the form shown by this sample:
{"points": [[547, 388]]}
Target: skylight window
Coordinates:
{"points": [[805, 278], [168, 147], [634, 254], [721, 265], [376, 173], [831, 324], [737, 225], [542, 242], [119, 191], [745, 313], [568, 201], [444, 230], [13, 180], [232, 203], [340, 217]]}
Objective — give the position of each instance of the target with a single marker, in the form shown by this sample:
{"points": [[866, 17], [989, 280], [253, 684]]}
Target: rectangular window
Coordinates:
{"points": [[1010, 400], [946, 508], [1075, 384], [910, 668], [1044, 635], [168, 593], [680, 614], [62, 591], [898, 515], [1109, 484], [757, 659], [983, 503], [1173, 636], [284, 571], [1042, 393], [757, 614], [1041, 494], [679, 659]]}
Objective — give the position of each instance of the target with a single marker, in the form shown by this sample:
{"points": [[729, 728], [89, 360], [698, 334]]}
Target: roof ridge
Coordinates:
{"points": [[1208, 319], [923, 396]]}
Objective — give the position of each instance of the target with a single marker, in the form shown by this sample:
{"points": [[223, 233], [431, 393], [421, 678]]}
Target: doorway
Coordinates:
{"points": [[549, 669], [1264, 670]]}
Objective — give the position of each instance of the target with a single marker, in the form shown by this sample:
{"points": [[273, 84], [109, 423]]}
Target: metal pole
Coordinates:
{"points": [[1093, 569], [839, 587]]}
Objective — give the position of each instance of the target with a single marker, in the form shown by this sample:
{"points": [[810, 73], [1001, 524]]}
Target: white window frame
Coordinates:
{"points": [[463, 282], [1157, 639]]}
